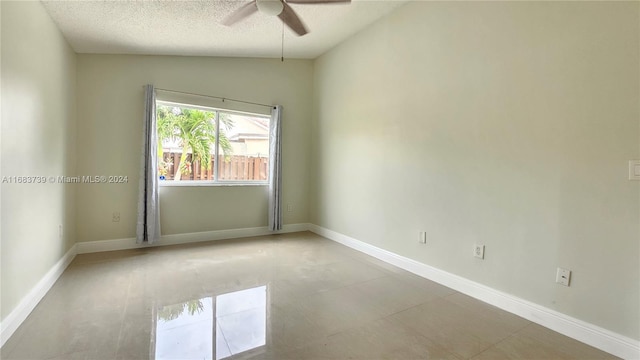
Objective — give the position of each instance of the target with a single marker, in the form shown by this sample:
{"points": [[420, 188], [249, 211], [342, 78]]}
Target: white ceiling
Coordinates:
{"points": [[161, 27]]}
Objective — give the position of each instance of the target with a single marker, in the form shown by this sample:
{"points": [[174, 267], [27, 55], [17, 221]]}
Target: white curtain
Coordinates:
{"points": [[148, 227], [275, 169]]}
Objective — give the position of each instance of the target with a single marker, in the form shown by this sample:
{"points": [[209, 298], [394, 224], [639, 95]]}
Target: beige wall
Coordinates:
{"points": [[38, 139], [110, 107], [507, 124]]}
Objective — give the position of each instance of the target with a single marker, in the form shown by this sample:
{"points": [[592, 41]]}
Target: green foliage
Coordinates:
{"points": [[172, 312], [195, 131], [225, 124]]}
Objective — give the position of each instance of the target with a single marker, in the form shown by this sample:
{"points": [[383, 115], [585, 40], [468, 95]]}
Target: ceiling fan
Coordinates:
{"points": [[280, 8]]}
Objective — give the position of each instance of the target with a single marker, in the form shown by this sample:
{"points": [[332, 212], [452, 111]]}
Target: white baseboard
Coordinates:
{"points": [[130, 243], [593, 335], [587, 333], [11, 323]]}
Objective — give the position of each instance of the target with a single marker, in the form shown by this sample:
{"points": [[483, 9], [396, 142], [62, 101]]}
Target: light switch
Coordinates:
{"points": [[634, 169]]}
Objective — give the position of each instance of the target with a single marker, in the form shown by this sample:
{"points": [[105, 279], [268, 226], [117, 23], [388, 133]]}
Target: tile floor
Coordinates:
{"points": [[290, 296]]}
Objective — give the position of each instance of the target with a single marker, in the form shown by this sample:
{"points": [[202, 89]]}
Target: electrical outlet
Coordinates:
{"points": [[289, 208], [115, 217], [634, 169], [60, 233], [423, 237], [563, 276], [478, 251]]}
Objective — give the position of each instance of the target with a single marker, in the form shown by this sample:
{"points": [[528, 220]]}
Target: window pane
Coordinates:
{"points": [[186, 142], [187, 138], [244, 147]]}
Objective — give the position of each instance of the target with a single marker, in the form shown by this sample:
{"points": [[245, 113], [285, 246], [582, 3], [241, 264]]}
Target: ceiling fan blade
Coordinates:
{"points": [[291, 19], [317, 1], [240, 14]]}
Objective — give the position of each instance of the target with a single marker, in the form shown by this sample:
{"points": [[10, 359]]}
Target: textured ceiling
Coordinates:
{"points": [[158, 27]]}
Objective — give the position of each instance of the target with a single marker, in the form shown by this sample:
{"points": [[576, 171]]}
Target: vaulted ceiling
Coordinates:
{"points": [[160, 27]]}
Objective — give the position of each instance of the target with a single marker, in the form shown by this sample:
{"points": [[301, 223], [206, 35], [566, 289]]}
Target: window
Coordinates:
{"points": [[224, 325], [205, 145]]}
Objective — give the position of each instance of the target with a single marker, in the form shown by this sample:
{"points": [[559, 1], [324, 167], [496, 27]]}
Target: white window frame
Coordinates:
{"points": [[215, 181]]}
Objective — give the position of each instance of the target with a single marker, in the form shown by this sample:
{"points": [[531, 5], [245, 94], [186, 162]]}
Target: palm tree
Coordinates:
{"points": [[164, 128], [172, 312], [195, 131]]}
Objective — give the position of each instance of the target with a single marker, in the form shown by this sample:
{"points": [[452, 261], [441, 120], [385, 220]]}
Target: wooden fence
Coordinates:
{"points": [[232, 168]]}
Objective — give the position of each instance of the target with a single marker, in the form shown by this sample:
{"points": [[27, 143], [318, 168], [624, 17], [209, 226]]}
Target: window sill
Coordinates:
{"points": [[191, 183]]}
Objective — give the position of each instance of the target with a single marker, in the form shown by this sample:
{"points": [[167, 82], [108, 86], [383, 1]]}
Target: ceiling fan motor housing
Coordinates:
{"points": [[270, 7]]}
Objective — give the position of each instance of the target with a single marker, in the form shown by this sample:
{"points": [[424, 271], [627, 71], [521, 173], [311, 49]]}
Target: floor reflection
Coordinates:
{"points": [[186, 330], [241, 319]]}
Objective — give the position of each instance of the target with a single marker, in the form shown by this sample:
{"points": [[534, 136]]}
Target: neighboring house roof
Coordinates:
{"points": [[247, 127]]}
